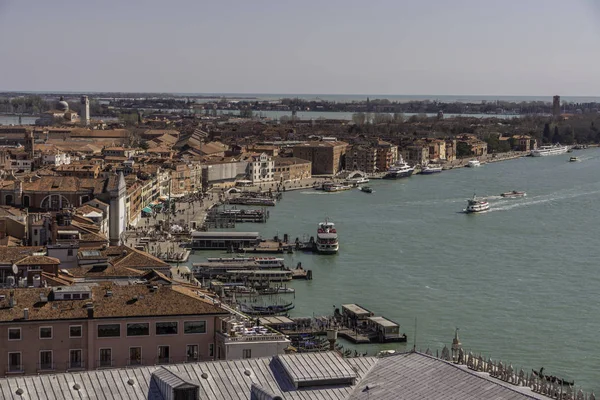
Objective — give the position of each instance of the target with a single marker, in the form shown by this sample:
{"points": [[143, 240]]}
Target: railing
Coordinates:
{"points": [[253, 338], [76, 364], [45, 366], [15, 368], [135, 362], [163, 360], [104, 363]]}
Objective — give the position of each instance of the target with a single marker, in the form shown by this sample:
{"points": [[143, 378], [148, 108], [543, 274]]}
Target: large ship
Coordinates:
{"points": [[399, 170], [327, 238], [549, 150]]}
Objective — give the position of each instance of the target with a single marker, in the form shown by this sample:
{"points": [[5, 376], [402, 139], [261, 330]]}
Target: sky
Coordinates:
{"points": [[425, 47]]}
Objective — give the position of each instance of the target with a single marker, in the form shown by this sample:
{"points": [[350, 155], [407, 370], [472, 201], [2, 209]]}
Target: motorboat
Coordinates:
{"points": [[476, 205], [327, 238], [428, 170], [366, 189], [574, 159], [400, 169], [358, 181], [474, 163], [331, 187], [514, 193], [550, 150]]}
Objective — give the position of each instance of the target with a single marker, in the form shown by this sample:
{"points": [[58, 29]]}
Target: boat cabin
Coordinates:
{"points": [[354, 315], [385, 329]]}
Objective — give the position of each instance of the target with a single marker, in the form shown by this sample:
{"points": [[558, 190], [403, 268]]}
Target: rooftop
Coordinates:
{"points": [[124, 301]]}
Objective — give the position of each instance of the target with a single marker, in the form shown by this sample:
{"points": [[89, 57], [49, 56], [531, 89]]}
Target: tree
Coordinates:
{"points": [[547, 137], [556, 137], [463, 150]]}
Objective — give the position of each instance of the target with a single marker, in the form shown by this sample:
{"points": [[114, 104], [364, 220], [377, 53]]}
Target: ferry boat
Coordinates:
{"points": [[428, 170], [549, 150], [476, 205], [331, 187], [327, 238], [514, 193], [399, 170], [474, 163]]}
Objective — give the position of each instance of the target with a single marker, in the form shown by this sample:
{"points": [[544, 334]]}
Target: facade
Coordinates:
{"points": [[363, 158], [223, 171], [416, 154], [57, 158], [261, 168], [70, 328], [291, 169], [327, 158], [437, 149], [387, 155]]}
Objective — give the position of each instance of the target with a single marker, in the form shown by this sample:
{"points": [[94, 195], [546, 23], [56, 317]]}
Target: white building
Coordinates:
{"points": [[261, 169], [58, 158], [239, 338]]}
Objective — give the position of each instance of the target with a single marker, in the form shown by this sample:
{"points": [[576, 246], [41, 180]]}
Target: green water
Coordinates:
{"points": [[520, 281]]}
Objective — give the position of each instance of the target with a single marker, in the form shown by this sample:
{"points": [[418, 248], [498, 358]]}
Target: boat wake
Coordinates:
{"points": [[509, 205]]}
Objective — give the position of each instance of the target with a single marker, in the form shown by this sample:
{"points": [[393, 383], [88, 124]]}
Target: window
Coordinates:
{"points": [[211, 350], [246, 353], [35, 232], [45, 332], [45, 359], [191, 352], [75, 331], [135, 356], [138, 329], [14, 333], [194, 327], [69, 252], [67, 296], [14, 362], [166, 328], [163, 354], [75, 359], [109, 330], [105, 358]]}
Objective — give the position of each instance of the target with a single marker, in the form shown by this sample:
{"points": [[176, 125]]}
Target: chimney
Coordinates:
{"points": [[26, 314], [90, 310], [11, 300]]}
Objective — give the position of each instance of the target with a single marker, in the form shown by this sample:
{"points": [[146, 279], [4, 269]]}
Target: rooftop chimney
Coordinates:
{"points": [[26, 314], [11, 300], [90, 310]]}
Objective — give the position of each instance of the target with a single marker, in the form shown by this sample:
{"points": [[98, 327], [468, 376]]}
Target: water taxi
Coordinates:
{"points": [[514, 193], [429, 170], [573, 159], [476, 205], [366, 189], [331, 187]]}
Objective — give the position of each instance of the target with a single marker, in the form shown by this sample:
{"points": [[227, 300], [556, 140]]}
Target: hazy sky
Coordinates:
{"points": [[510, 47]]}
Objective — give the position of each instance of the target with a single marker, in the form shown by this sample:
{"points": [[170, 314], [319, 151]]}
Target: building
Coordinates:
{"points": [[327, 158], [56, 158], [556, 106], [84, 327], [85, 110], [261, 168], [61, 113], [291, 169], [363, 158], [214, 172], [437, 149], [416, 154], [308, 376], [387, 155]]}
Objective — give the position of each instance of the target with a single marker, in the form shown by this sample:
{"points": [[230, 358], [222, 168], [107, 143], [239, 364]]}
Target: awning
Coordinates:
{"points": [[147, 210]]}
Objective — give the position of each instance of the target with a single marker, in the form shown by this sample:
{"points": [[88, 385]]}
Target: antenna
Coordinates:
{"points": [[415, 338]]}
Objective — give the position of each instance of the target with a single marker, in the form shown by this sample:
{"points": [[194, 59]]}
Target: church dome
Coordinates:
{"points": [[62, 105]]}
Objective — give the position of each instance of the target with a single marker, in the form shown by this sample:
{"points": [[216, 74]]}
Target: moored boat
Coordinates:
{"points": [[327, 238], [428, 170], [399, 170], [550, 150], [474, 163], [514, 193], [476, 205], [331, 187]]}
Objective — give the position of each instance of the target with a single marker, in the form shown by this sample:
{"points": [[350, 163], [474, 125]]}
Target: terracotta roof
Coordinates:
{"points": [[12, 254], [124, 301], [124, 256], [107, 271], [280, 161], [38, 260]]}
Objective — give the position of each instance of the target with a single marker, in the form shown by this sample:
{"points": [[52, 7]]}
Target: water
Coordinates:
{"points": [[520, 281], [308, 115]]}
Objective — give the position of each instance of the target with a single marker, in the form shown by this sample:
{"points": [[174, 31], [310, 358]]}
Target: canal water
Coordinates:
{"points": [[520, 281]]}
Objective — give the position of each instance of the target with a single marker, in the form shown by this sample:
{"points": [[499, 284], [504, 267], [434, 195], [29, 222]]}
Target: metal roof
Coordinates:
{"points": [[307, 370], [383, 321], [355, 308]]}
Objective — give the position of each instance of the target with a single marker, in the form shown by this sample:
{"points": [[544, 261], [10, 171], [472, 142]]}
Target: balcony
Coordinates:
{"points": [[15, 369], [45, 367], [105, 363]]}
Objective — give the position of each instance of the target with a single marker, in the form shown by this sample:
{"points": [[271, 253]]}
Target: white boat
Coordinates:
{"points": [[514, 193], [573, 159], [549, 150], [399, 170], [476, 205], [428, 170], [327, 238], [358, 181], [474, 163], [331, 187]]}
